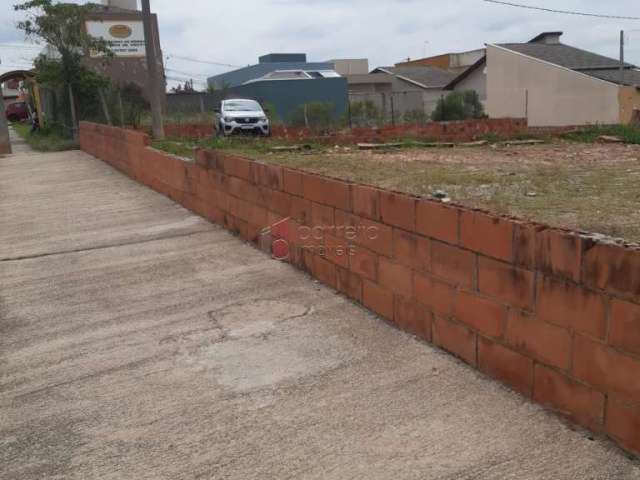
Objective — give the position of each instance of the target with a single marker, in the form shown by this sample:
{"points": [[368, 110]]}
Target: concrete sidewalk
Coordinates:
{"points": [[138, 341]]}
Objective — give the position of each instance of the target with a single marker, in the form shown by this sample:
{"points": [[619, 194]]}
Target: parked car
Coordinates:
{"points": [[240, 115], [16, 112]]}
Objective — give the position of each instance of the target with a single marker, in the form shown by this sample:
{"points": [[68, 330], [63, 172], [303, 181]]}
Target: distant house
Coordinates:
{"points": [[11, 91], [457, 62], [285, 81], [401, 90], [350, 66], [553, 84]]}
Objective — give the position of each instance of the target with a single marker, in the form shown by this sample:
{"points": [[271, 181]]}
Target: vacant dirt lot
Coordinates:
{"points": [[591, 187]]}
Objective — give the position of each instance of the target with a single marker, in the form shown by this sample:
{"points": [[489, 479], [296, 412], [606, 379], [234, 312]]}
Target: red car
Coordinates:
{"points": [[17, 112]]}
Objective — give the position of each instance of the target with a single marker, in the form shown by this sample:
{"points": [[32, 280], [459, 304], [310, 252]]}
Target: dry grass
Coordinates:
{"points": [[585, 186], [588, 187]]}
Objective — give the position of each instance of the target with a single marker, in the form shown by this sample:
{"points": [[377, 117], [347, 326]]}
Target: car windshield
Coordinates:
{"points": [[242, 106]]}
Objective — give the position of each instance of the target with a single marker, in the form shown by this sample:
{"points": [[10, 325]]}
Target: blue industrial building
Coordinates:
{"points": [[286, 81]]}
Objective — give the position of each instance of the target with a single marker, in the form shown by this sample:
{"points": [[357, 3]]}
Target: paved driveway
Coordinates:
{"points": [[138, 341]]}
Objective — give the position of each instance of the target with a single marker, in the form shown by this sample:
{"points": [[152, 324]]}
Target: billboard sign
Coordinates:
{"points": [[124, 38]]}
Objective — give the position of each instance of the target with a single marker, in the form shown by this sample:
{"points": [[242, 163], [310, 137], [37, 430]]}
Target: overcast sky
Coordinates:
{"points": [[385, 32]]}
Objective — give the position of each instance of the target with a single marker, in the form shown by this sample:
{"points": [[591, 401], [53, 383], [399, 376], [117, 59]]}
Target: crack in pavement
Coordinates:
{"points": [[101, 247]]}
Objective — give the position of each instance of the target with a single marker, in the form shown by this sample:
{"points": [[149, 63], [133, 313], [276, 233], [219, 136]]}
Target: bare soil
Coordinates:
{"points": [[591, 187]]}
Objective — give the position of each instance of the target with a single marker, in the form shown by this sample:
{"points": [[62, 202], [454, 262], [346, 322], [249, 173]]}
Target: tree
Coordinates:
{"points": [[458, 106], [61, 25], [186, 88]]}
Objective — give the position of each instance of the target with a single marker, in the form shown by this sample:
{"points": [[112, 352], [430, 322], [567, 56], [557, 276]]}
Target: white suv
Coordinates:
{"points": [[241, 116]]}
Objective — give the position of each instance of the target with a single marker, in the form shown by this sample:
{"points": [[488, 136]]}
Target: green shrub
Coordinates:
{"points": [[365, 113], [627, 133], [315, 115], [459, 106], [416, 117]]}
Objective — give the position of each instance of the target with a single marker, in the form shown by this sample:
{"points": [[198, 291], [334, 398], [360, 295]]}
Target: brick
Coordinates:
{"points": [[504, 364], [455, 338], [378, 299], [253, 232], [559, 253], [412, 250], [395, 277], [438, 221], [222, 200], [350, 284], [613, 268], [623, 424], [481, 314], [327, 191], [606, 369], [506, 283], [558, 392], [398, 210], [364, 263], [336, 250], [236, 166], [301, 210], [278, 202], [453, 264], [219, 180], [239, 208], [236, 226], [436, 295], [258, 216], [624, 330], [487, 234], [325, 271], [524, 244], [323, 217], [548, 343], [206, 158], [366, 201], [292, 182], [367, 233], [270, 176], [569, 305], [243, 190], [413, 318]]}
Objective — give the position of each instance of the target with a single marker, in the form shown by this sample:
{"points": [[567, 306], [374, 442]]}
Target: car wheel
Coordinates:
{"points": [[13, 118]]}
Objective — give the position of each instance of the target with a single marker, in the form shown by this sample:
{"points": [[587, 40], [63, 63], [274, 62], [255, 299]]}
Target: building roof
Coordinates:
{"points": [[563, 55], [381, 78], [254, 72], [450, 55], [479, 64], [423, 76], [548, 48], [631, 75]]}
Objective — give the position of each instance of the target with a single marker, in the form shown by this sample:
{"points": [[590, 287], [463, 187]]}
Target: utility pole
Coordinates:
{"points": [[621, 57], [152, 71]]}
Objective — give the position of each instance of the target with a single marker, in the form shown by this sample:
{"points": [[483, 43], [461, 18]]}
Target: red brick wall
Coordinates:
{"points": [[442, 131], [551, 313], [462, 131]]}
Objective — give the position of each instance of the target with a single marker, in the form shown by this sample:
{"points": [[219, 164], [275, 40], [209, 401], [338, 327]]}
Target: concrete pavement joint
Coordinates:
{"points": [[100, 247]]}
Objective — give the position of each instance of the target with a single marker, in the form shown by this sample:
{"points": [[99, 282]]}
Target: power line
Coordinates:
{"points": [[180, 72], [206, 62], [565, 12]]}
